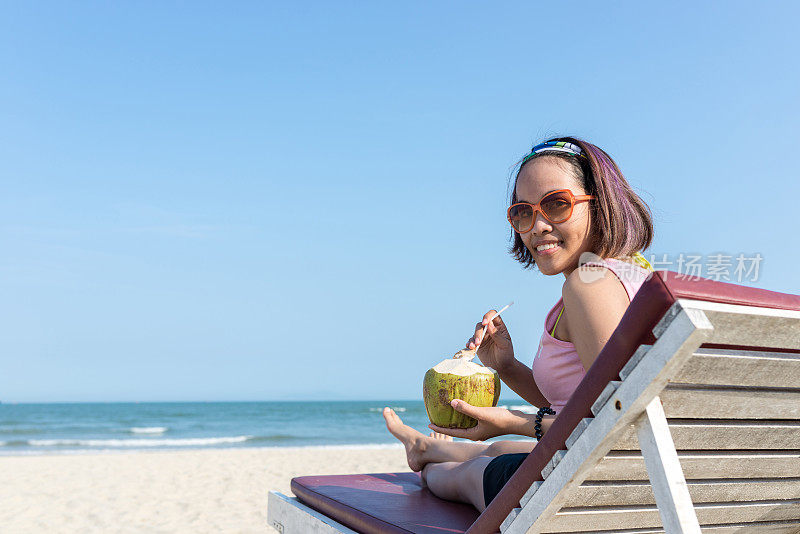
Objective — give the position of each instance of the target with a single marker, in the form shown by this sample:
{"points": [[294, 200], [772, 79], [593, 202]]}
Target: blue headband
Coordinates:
{"points": [[555, 146]]}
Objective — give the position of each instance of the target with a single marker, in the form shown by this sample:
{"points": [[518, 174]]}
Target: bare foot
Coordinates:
{"points": [[416, 443], [437, 435]]}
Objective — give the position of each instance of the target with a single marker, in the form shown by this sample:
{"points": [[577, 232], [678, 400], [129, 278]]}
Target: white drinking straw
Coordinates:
{"points": [[490, 320]]}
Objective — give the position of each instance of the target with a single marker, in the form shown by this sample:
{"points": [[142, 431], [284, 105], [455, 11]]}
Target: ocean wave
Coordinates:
{"points": [[183, 442], [395, 408], [524, 408], [47, 452], [148, 429]]}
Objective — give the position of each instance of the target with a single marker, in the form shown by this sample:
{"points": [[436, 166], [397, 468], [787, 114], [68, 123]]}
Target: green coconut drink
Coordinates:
{"points": [[458, 378]]}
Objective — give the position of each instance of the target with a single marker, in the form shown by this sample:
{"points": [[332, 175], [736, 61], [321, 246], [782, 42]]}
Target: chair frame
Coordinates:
{"points": [[632, 401]]}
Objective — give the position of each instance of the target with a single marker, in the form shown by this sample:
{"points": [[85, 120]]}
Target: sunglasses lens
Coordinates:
{"points": [[521, 217], [557, 206]]}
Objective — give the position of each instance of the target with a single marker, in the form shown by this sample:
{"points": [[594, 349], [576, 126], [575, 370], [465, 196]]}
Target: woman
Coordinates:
{"points": [[570, 203]]}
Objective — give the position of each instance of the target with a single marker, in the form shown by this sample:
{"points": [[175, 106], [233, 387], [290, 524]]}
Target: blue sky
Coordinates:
{"points": [[307, 201]]}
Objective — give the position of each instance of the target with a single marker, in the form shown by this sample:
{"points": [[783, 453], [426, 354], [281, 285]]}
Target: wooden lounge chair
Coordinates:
{"points": [[688, 421]]}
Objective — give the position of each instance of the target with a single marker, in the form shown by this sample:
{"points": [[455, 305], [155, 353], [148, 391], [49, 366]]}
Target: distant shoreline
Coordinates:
{"points": [[80, 428], [104, 452]]}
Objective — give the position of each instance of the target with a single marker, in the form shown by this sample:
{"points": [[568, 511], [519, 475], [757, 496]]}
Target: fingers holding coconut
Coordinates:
{"points": [[492, 422], [476, 433]]}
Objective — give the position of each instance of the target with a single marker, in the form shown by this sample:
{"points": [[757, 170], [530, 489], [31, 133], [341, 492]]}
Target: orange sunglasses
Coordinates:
{"points": [[556, 207]]}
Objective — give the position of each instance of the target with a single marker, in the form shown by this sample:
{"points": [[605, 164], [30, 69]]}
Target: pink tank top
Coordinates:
{"points": [[557, 369]]}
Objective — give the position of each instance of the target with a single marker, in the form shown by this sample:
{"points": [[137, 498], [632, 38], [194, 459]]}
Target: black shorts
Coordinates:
{"points": [[497, 473]]}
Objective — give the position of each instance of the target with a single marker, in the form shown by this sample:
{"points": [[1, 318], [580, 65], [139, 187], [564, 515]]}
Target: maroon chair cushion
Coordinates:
{"points": [[387, 502], [396, 502]]}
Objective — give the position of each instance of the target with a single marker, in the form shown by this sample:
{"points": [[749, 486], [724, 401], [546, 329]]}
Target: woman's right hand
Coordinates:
{"points": [[496, 351]]}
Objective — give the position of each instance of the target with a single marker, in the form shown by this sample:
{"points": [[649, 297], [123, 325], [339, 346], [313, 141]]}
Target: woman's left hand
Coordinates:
{"points": [[492, 422]]}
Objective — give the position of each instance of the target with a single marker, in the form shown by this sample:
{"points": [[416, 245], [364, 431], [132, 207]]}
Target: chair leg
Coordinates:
{"points": [[666, 476]]}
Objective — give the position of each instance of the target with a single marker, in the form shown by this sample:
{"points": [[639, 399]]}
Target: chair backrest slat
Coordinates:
{"points": [[640, 492], [788, 526], [749, 326], [629, 465], [591, 519], [723, 434], [730, 402], [742, 367]]}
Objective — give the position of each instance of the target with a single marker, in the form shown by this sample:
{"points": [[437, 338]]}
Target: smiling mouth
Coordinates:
{"points": [[548, 248]]}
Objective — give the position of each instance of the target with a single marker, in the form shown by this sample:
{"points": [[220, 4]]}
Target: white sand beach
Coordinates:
{"points": [[222, 490]]}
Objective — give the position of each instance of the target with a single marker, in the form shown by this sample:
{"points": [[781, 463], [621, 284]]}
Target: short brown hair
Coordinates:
{"points": [[621, 222]]}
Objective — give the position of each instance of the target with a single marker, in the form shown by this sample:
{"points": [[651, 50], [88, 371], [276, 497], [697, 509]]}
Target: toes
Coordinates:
{"points": [[439, 435], [389, 415]]}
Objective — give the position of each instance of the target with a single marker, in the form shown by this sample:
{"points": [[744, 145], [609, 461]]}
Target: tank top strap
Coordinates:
{"points": [[553, 331]]}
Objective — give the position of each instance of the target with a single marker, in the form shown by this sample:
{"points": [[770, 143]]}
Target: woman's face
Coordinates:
{"points": [[572, 237]]}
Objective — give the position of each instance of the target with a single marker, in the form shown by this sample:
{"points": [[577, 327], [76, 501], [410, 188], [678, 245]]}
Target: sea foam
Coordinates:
{"points": [[184, 442], [524, 408], [147, 429]]}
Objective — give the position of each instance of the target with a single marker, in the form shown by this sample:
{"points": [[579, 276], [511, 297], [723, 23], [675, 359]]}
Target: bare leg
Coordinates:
{"points": [[509, 447], [422, 449], [458, 481]]}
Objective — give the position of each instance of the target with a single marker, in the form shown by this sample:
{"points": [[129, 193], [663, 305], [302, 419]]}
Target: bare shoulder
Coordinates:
{"points": [[594, 285], [594, 302]]}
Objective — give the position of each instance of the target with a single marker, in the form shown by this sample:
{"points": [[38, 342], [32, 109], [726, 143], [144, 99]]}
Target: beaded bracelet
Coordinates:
{"points": [[544, 410]]}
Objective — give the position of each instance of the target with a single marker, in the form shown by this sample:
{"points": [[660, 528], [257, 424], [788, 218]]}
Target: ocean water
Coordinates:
{"points": [[81, 427]]}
